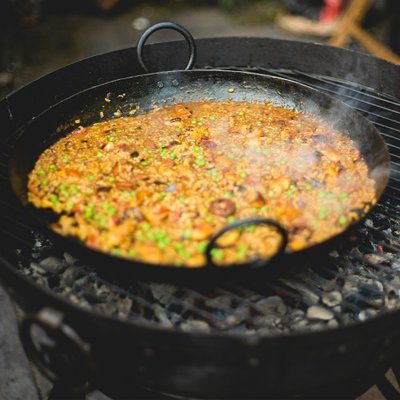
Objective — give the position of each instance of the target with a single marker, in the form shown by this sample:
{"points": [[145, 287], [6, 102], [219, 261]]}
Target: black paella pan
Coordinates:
{"points": [[167, 88]]}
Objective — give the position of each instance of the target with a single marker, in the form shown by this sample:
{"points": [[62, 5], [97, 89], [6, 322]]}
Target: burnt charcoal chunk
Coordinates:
{"points": [[352, 303], [174, 307], [53, 281], [80, 283], [372, 293], [69, 276], [53, 264], [95, 298]]}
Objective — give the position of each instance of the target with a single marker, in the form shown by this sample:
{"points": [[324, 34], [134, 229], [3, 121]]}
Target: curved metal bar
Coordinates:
{"points": [[66, 341], [167, 25], [212, 244]]}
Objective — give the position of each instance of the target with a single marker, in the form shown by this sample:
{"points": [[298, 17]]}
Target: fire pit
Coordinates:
{"points": [[333, 319]]}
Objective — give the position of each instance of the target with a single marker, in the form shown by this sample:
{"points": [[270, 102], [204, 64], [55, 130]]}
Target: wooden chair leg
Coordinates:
{"points": [[350, 27], [354, 13], [373, 45]]}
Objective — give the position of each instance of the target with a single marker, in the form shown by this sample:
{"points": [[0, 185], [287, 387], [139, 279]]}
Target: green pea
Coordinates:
{"points": [[181, 250], [110, 210], [250, 228], [323, 212], [200, 162], [132, 253], [89, 211], [187, 233], [74, 189], [343, 196], [146, 226], [228, 195], [139, 236], [41, 173], [179, 246], [241, 252], [217, 254], [201, 247], [54, 199]]}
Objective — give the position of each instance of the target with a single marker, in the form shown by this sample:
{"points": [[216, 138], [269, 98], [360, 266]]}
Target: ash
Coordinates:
{"points": [[353, 283]]}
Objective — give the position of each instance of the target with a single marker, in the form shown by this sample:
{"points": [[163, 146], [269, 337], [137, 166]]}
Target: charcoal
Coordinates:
{"points": [[333, 323], [162, 316], [300, 325], [369, 223], [268, 320], [272, 304], [317, 326], [240, 314], [162, 292], [80, 283], [106, 308], [375, 258], [195, 325], [220, 302], [37, 268], [332, 299], [372, 293], [319, 313], [366, 314], [53, 265], [70, 260], [69, 276], [349, 285]]}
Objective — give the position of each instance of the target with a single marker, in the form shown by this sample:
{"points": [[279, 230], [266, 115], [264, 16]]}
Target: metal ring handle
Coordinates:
{"points": [[250, 221], [167, 25], [51, 321]]}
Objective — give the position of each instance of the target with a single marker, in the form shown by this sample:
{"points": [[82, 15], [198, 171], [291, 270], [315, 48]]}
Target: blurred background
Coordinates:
{"points": [[38, 36]]}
